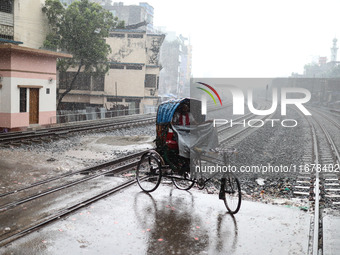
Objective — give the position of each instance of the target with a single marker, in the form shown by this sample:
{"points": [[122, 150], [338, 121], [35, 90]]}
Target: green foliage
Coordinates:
{"points": [[80, 29]]}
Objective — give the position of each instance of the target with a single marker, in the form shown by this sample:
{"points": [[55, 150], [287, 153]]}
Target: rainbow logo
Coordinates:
{"points": [[209, 93]]}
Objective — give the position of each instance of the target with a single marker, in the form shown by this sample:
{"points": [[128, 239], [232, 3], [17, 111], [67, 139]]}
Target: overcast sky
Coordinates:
{"points": [[251, 38]]}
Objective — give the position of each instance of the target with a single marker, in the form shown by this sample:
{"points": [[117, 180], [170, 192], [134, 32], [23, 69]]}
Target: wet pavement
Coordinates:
{"points": [[331, 237], [170, 221]]}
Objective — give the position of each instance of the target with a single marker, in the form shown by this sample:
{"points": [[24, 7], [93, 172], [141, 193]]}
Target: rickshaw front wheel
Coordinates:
{"points": [[149, 173]]}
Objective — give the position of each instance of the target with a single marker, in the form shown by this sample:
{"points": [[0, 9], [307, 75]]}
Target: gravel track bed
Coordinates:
{"points": [[29, 163], [273, 146]]}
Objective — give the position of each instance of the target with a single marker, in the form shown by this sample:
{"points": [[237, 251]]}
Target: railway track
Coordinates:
{"points": [[72, 195], [313, 185], [64, 131], [231, 135], [317, 178]]}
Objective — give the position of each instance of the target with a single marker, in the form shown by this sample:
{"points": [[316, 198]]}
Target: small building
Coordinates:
{"points": [[27, 86]]}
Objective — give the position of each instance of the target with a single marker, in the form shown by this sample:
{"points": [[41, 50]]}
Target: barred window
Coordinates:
{"points": [[113, 66], [23, 100], [7, 37], [135, 35], [113, 99], [117, 35], [6, 6], [134, 67]]}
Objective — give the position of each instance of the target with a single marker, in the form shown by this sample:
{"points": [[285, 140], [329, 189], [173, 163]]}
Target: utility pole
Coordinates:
{"points": [[116, 94]]}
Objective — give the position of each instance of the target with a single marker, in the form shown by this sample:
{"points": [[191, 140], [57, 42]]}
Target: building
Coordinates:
{"points": [[133, 79], [27, 74], [133, 14], [132, 86], [27, 86], [176, 61], [23, 22], [324, 69]]}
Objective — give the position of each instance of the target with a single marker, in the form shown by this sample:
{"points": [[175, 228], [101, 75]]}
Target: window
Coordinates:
{"points": [[113, 66], [8, 37], [23, 99], [6, 6], [135, 35], [134, 67], [113, 99], [150, 81], [47, 91], [117, 35]]}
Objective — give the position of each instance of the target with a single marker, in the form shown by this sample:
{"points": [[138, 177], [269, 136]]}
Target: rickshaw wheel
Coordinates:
{"points": [[149, 173], [231, 193], [184, 182]]}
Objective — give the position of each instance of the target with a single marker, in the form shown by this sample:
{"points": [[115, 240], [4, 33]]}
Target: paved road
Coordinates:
{"points": [[170, 221]]}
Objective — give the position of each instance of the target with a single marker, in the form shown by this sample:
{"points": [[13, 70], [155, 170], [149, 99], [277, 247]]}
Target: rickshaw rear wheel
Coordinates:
{"points": [[149, 173], [184, 182], [231, 193]]}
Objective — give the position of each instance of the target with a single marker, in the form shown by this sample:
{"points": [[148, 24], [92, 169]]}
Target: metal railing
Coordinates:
{"points": [[84, 115]]}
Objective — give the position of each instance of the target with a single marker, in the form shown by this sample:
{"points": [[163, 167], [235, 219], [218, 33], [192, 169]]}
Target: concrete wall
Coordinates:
{"points": [[30, 23], [128, 50], [129, 82]]}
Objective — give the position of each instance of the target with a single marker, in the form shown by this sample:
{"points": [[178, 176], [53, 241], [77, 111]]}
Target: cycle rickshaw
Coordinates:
{"points": [[182, 150]]}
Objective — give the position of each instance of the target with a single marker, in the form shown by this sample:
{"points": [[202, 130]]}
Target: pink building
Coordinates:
{"points": [[27, 86]]}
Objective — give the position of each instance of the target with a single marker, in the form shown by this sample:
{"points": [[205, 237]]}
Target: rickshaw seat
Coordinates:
{"points": [[170, 142]]}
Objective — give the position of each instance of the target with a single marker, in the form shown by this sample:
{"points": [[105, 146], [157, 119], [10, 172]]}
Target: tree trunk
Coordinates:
{"points": [[69, 88]]}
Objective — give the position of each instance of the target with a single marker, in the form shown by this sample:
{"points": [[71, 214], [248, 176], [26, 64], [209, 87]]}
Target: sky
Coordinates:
{"points": [[251, 38]]}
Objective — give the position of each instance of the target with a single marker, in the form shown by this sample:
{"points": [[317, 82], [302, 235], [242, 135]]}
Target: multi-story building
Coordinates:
{"points": [[133, 14], [176, 59], [23, 22], [132, 80]]}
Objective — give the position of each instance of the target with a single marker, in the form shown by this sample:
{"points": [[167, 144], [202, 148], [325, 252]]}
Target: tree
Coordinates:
{"points": [[79, 29]]}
